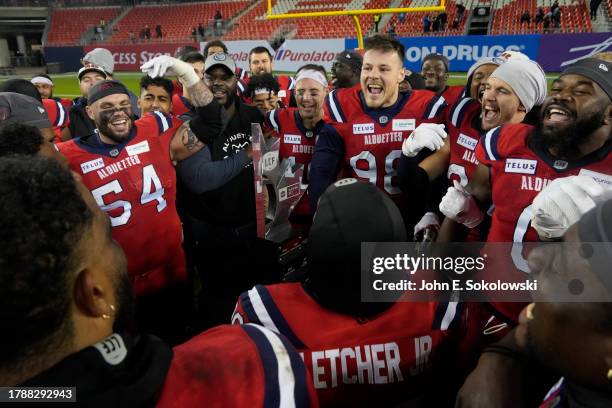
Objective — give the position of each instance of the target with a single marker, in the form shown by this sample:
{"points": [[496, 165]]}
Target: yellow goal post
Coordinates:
{"points": [[353, 13]]}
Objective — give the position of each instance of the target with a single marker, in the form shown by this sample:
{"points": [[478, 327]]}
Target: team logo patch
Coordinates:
{"points": [[114, 153], [383, 119], [603, 67], [467, 142], [292, 139], [113, 349], [345, 182], [41, 110], [522, 166], [282, 93], [601, 178], [363, 128], [92, 165], [219, 56], [400, 125], [560, 164], [309, 133], [138, 148]]}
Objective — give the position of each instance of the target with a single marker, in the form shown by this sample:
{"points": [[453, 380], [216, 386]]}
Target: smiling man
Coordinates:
{"points": [[373, 121], [435, 71], [128, 167], [155, 95], [518, 161]]}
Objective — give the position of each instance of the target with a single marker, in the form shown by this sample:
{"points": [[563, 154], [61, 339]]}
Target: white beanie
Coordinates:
{"points": [[527, 80]]}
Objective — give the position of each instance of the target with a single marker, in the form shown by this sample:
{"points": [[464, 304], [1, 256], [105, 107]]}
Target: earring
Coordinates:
{"points": [[529, 311], [609, 375], [107, 316]]}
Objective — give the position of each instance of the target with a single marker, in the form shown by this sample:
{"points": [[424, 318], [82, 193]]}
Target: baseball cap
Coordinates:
{"points": [[21, 86], [18, 108], [598, 71], [90, 68], [220, 58], [350, 58], [100, 57]]}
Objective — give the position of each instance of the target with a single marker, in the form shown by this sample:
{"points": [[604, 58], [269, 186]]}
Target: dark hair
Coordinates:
{"points": [[17, 138], [266, 81], [214, 43], [44, 219], [181, 51], [21, 86], [259, 50], [146, 81], [192, 57], [437, 57], [386, 44], [314, 67]]}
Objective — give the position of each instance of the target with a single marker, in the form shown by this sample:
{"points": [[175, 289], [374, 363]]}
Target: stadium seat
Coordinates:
{"points": [[69, 24]]}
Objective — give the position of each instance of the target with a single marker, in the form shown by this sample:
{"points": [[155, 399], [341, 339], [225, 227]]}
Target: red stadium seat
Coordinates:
{"points": [[69, 24]]}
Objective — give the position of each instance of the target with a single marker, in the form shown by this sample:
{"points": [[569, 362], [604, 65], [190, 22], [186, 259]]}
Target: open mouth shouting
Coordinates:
{"points": [[490, 113], [375, 91], [557, 114]]}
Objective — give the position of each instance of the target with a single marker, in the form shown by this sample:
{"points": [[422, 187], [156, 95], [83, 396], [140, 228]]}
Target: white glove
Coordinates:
{"points": [[167, 65], [429, 135], [561, 204], [430, 219], [459, 205]]}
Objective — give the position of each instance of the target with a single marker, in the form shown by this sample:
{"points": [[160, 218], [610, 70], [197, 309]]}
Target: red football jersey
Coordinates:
{"points": [[296, 143], [372, 138], [237, 366], [452, 94], [463, 138], [357, 362], [58, 115], [180, 105], [135, 184], [519, 172]]}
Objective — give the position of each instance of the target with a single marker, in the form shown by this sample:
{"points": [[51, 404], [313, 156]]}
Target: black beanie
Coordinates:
{"points": [[349, 212], [104, 88], [597, 70]]}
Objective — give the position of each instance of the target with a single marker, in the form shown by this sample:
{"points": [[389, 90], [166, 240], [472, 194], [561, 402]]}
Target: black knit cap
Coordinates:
{"points": [[104, 88], [597, 70], [351, 58], [596, 227], [349, 212]]}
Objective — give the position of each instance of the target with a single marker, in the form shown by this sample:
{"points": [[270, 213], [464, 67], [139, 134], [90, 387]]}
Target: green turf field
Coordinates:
{"points": [[66, 85]]}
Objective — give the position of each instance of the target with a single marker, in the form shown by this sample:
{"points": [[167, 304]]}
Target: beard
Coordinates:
{"points": [[105, 117], [565, 141]]}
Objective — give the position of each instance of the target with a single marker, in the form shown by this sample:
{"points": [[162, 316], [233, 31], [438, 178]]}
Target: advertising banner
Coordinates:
{"points": [[463, 51], [131, 56], [557, 51]]}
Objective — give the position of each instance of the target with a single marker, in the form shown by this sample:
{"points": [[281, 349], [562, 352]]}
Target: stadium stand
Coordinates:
{"points": [[574, 16], [325, 27], [413, 23], [69, 24], [177, 21]]}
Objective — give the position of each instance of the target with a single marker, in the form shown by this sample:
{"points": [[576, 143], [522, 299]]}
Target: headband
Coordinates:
{"points": [[312, 74], [41, 80]]}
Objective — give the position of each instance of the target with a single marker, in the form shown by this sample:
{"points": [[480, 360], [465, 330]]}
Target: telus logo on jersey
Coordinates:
{"points": [[92, 165], [363, 128], [292, 139], [522, 166], [467, 142]]}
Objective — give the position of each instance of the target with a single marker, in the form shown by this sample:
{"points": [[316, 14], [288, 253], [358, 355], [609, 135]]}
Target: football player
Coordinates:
{"points": [[372, 123], [435, 71], [298, 128], [260, 62], [69, 294], [346, 69], [467, 121], [128, 167], [45, 85], [359, 353], [262, 91], [517, 162], [155, 95]]}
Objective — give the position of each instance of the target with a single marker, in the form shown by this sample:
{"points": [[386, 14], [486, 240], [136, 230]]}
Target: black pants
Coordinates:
{"points": [[229, 261]]}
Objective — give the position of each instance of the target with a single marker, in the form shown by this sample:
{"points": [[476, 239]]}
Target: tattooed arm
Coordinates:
{"points": [[199, 94], [184, 143]]}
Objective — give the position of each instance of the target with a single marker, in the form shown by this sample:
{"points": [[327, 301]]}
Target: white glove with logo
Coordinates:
{"points": [[430, 219], [459, 205], [561, 204], [429, 135], [165, 65]]}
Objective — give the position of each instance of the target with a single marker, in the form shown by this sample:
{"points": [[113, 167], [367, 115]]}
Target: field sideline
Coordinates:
{"points": [[66, 85]]}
